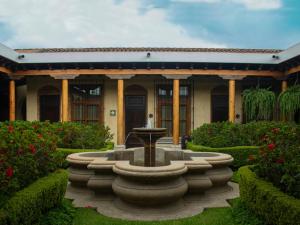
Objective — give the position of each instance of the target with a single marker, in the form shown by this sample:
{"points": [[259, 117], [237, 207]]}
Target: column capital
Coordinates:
{"points": [[64, 77], [177, 76], [120, 76], [282, 78], [232, 77], [15, 77]]}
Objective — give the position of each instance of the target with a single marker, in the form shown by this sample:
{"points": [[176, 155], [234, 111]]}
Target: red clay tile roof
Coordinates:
{"points": [[220, 50]]}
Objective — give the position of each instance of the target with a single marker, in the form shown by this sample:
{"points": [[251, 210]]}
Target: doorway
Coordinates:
{"points": [[135, 113], [219, 104], [49, 101]]}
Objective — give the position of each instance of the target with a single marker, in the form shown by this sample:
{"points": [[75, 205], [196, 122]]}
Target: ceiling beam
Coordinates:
{"points": [[292, 70], [5, 70], [266, 73]]}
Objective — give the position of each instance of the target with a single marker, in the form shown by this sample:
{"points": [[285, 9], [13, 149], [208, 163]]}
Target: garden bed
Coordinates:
{"points": [[239, 153], [29, 204], [267, 201]]}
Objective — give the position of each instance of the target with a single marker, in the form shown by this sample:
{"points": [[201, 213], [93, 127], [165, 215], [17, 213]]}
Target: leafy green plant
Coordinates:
{"points": [[25, 154], [239, 153], [28, 205], [278, 160], [258, 103], [63, 214], [289, 101], [266, 200], [82, 136]]}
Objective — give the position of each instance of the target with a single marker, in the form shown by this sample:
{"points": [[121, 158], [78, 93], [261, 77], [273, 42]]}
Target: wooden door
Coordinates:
{"points": [[49, 108], [135, 113], [219, 104]]}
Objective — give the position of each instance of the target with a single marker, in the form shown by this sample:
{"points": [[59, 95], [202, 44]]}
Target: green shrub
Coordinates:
{"points": [[29, 204], [61, 154], [278, 160], [25, 155], [242, 215], [267, 201], [221, 134], [82, 136], [61, 215], [239, 153], [225, 134]]}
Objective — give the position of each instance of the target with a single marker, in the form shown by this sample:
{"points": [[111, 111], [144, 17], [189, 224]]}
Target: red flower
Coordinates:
{"points": [[251, 157], [32, 148], [10, 129], [280, 161], [275, 130], [40, 136], [271, 146], [20, 151], [9, 172]]}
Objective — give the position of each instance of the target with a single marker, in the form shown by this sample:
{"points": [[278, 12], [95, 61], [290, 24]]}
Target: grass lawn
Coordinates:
{"points": [[236, 215]]}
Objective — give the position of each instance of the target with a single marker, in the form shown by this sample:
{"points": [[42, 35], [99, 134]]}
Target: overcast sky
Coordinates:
{"points": [[150, 23]]}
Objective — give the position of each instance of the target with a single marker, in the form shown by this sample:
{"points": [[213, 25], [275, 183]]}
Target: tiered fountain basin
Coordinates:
{"points": [[176, 174]]}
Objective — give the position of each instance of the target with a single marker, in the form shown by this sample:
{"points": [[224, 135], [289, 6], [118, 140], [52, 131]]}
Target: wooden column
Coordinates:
{"points": [[284, 85], [12, 100], [231, 101], [120, 114], [65, 100], [176, 112]]}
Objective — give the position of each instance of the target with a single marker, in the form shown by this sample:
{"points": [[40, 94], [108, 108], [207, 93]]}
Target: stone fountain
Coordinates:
{"points": [[149, 136], [150, 183]]}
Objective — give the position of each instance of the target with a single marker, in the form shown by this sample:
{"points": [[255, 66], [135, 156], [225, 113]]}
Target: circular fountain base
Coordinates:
{"points": [[183, 184], [189, 205]]}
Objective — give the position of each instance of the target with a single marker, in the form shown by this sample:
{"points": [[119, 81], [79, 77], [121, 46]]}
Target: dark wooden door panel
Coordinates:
{"points": [[49, 107], [135, 116]]}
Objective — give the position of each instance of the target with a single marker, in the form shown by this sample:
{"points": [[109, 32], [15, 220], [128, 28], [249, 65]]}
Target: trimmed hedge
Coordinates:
{"points": [[226, 134], [239, 153], [267, 201], [61, 154], [29, 204]]}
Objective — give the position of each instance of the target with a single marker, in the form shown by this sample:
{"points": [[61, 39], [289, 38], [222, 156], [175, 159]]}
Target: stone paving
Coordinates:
{"points": [[109, 205]]}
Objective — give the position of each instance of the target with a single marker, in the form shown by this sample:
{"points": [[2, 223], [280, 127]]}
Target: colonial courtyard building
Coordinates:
{"points": [[120, 87]]}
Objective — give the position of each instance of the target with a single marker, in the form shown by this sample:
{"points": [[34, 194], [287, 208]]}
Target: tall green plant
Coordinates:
{"points": [[289, 101], [258, 103]]}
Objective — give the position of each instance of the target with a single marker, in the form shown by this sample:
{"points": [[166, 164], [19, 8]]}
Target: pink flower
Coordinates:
{"points": [[9, 172]]}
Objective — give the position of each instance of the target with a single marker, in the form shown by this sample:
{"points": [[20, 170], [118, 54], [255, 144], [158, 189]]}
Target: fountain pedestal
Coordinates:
{"points": [[149, 136]]}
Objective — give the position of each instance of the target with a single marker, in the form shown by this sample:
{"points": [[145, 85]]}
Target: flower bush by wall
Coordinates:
{"points": [[82, 136], [25, 154], [225, 134], [278, 160]]}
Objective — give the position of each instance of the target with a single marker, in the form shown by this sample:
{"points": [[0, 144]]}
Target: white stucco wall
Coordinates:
{"points": [[200, 109]]}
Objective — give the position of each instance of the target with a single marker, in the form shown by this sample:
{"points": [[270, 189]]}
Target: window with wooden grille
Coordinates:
{"points": [[87, 103], [165, 108]]}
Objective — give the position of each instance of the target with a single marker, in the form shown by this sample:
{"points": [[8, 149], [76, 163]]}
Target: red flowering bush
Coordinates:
{"points": [[278, 160], [25, 154]]}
